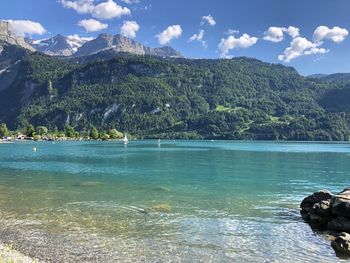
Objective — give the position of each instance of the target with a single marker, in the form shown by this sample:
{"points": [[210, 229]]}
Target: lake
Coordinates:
{"points": [[177, 201]]}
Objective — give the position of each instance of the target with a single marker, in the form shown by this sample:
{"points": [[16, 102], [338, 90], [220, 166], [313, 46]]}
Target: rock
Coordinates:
{"points": [[341, 224], [308, 203], [119, 43], [342, 244], [320, 214], [8, 35], [340, 203]]}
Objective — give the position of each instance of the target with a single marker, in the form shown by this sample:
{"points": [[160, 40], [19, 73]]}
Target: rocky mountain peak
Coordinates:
{"points": [[8, 35], [119, 43]]}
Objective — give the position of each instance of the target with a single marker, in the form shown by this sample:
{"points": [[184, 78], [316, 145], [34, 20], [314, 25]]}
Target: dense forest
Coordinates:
{"points": [[152, 97]]}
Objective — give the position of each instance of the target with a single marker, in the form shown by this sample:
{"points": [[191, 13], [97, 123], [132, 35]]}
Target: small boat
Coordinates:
{"points": [[125, 139]]}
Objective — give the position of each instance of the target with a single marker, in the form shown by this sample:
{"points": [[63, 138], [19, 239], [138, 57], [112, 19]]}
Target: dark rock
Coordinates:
{"points": [[340, 203], [342, 244], [308, 203], [320, 214], [341, 224]]}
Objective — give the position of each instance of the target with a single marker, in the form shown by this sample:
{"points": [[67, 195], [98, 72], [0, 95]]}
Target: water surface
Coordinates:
{"points": [[178, 201]]}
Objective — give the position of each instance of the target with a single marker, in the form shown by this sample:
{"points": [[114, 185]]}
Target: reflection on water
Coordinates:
{"points": [[174, 202]]}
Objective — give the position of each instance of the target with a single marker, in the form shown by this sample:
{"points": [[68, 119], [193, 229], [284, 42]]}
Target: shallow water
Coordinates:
{"points": [[178, 201]]}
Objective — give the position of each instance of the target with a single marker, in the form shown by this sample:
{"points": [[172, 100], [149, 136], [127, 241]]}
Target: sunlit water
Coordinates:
{"points": [[177, 201]]}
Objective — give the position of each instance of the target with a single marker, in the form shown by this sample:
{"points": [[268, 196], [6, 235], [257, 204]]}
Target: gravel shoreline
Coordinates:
{"points": [[8, 254]]}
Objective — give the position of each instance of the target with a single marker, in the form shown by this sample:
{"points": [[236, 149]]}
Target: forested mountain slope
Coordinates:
{"points": [[148, 96]]}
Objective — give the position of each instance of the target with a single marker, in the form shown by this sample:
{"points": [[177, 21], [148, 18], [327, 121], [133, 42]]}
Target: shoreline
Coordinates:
{"points": [[9, 255]]}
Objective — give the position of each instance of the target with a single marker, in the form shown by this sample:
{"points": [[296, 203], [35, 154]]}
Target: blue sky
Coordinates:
{"points": [[229, 28]]}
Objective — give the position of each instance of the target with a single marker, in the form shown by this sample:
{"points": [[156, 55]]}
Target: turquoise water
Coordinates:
{"points": [[178, 201]]}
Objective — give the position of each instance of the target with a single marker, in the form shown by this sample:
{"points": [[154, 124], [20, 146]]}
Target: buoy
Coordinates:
{"points": [[34, 149]]}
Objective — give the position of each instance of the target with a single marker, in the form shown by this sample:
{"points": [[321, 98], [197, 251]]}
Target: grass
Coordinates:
{"points": [[222, 108]]}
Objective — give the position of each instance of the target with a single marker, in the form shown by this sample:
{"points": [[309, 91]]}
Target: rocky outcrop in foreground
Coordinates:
{"points": [[325, 211]]}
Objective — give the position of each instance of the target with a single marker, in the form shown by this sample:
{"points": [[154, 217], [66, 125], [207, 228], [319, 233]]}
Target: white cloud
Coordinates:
{"points": [[131, 1], [92, 25], [169, 34], [199, 37], [336, 34], [27, 27], [209, 19], [109, 10], [231, 32], [292, 31], [276, 34], [129, 29], [105, 10], [81, 6], [301, 46], [231, 42]]}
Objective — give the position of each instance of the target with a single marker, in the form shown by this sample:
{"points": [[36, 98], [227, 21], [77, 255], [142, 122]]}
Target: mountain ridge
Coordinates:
{"points": [[119, 43]]}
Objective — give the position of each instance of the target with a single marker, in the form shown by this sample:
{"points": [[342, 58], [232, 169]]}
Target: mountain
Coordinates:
{"points": [[155, 97], [7, 35], [58, 45], [318, 76], [332, 77], [337, 77], [119, 43]]}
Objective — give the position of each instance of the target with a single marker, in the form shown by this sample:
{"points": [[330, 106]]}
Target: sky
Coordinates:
{"points": [[310, 35]]}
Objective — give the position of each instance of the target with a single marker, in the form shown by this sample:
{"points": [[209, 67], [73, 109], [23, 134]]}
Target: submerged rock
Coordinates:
{"points": [[165, 208], [342, 244]]}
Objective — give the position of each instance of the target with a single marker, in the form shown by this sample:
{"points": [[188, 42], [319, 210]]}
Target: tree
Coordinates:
{"points": [[41, 130], [69, 131], [114, 134], [104, 136], [3, 130], [94, 133], [29, 130]]}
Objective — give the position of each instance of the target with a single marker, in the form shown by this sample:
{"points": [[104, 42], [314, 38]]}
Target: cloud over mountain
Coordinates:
{"points": [[129, 29], [199, 37], [92, 25], [277, 34], [232, 42], [336, 34], [105, 10], [169, 34], [301, 46], [27, 27]]}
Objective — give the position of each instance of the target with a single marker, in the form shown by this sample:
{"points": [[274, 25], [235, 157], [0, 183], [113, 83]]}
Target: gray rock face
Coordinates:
{"points": [[7, 35], [58, 45], [342, 244], [119, 43]]}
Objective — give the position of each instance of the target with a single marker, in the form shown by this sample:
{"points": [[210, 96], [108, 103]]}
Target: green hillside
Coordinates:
{"points": [[240, 98]]}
